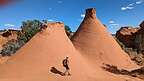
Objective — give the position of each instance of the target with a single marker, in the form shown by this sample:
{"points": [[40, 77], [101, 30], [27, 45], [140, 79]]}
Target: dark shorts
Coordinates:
{"points": [[67, 67]]}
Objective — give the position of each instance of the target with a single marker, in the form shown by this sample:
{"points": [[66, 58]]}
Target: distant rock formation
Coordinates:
{"points": [[139, 38], [7, 35], [132, 37], [10, 34], [126, 36]]}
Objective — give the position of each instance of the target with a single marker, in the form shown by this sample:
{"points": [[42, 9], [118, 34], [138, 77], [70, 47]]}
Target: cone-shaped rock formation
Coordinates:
{"points": [[94, 42]]}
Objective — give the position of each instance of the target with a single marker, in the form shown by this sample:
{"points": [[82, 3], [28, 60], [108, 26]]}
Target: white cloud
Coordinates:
{"points": [[9, 25], [123, 8], [127, 8], [139, 2], [132, 5], [50, 20], [82, 15], [112, 23]]}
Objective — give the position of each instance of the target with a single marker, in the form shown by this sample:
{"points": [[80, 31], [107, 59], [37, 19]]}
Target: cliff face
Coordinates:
{"points": [[139, 38], [132, 41], [132, 37], [126, 36]]}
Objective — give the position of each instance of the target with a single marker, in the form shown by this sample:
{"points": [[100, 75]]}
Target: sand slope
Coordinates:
{"points": [[47, 49], [96, 44]]}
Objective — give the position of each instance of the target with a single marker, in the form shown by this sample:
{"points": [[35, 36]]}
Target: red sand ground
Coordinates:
{"points": [[48, 48]]}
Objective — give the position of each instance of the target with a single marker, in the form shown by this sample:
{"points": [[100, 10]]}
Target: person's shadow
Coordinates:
{"points": [[56, 71]]}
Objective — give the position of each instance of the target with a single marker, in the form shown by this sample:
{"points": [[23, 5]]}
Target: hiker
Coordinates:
{"points": [[65, 64]]}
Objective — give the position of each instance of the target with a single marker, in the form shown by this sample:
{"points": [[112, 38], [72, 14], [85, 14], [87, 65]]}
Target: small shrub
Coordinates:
{"points": [[10, 48], [29, 29], [68, 30]]}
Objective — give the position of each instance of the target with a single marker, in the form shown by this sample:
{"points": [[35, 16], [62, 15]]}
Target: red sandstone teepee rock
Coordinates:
{"points": [[95, 43]]}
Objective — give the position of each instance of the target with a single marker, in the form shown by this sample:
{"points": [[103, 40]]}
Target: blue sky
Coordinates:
{"points": [[113, 13]]}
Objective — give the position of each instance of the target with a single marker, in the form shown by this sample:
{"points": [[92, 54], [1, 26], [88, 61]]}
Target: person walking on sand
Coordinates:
{"points": [[65, 63]]}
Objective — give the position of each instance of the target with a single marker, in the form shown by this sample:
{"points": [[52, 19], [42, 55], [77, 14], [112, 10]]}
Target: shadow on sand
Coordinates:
{"points": [[139, 72], [56, 71]]}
